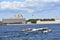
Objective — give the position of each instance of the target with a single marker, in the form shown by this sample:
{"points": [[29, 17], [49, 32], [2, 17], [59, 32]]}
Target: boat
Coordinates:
{"points": [[44, 30]]}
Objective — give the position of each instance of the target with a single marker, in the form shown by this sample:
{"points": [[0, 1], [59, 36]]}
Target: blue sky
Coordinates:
{"points": [[40, 8]]}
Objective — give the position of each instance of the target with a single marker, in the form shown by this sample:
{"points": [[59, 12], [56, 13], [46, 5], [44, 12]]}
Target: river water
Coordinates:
{"points": [[12, 32]]}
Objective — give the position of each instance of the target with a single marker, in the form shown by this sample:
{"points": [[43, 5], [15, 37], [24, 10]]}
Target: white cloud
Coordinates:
{"points": [[24, 5], [50, 0], [43, 0], [18, 5], [4, 5], [11, 5]]}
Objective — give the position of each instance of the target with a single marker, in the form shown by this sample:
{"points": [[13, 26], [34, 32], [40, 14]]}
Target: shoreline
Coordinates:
{"points": [[29, 24]]}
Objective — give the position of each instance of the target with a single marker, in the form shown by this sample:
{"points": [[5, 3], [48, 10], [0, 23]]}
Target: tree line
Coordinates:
{"points": [[34, 20]]}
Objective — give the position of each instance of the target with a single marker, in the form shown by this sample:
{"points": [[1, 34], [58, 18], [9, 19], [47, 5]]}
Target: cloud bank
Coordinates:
{"points": [[29, 6]]}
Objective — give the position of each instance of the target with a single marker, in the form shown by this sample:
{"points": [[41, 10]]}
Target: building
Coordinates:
{"points": [[29, 23], [16, 19], [57, 21]]}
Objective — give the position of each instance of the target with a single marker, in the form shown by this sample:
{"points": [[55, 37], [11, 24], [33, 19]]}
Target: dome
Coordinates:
{"points": [[18, 16]]}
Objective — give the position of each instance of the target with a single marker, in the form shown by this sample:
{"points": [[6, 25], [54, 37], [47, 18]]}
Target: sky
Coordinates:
{"points": [[40, 8]]}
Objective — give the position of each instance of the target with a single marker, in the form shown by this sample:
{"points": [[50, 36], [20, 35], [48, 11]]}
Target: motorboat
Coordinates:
{"points": [[44, 30]]}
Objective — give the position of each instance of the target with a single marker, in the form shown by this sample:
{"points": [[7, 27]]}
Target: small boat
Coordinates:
{"points": [[44, 30]]}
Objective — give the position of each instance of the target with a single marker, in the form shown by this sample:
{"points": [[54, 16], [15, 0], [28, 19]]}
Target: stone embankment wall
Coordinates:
{"points": [[48, 22]]}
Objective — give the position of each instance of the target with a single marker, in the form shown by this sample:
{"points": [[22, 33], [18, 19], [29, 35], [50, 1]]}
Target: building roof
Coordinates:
{"points": [[18, 16]]}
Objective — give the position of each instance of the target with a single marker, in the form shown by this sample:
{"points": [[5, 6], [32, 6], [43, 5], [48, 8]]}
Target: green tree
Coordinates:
{"points": [[32, 20]]}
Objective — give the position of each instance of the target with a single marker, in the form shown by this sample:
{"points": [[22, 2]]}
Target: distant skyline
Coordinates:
{"points": [[40, 8]]}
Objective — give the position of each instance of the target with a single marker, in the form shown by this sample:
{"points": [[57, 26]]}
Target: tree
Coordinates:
{"points": [[32, 20]]}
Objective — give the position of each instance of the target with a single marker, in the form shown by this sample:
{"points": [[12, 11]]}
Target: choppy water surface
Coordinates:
{"points": [[15, 33]]}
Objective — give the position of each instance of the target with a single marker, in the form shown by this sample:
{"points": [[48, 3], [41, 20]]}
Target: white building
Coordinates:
{"points": [[29, 23], [57, 21], [38, 22], [16, 19]]}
